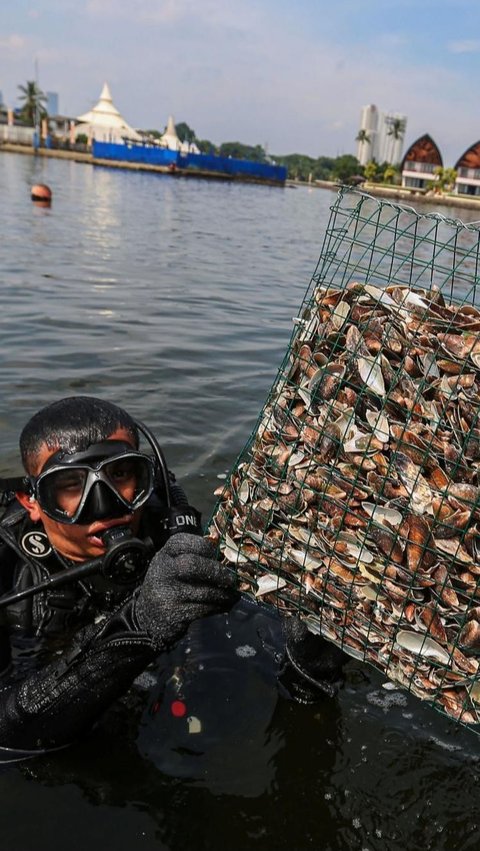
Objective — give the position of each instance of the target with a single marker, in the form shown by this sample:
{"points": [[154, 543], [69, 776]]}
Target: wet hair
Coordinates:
{"points": [[73, 424]]}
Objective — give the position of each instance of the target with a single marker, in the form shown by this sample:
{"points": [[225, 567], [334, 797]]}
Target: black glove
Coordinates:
{"points": [[313, 665], [56, 704], [184, 582]]}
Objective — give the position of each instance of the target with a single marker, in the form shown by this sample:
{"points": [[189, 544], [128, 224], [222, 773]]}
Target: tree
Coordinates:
{"points": [[397, 130], [185, 133], [362, 136], [390, 174], [205, 146], [34, 100], [444, 180], [299, 166], [370, 171], [323, 168], [243, 152], [346, 167]]}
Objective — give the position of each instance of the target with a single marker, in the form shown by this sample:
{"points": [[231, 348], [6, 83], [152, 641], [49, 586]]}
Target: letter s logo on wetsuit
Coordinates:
{"points": [[36, 544]]}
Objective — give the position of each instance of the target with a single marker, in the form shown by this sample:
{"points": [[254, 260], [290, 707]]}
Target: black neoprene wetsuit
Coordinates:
{"points": [[66, 653]]}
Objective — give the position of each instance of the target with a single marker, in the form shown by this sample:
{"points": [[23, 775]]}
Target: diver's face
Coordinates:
{"points": [[78, 541]]}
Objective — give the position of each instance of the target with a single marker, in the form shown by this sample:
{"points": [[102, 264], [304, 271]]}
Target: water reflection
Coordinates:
{"points": [[189, 814], [338, 777]]}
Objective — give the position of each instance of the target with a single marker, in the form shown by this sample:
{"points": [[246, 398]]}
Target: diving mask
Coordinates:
{"points": [[108, 480]]}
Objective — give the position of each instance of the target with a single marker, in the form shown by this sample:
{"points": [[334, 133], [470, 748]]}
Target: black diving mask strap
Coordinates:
{"points": [[9, 487]]}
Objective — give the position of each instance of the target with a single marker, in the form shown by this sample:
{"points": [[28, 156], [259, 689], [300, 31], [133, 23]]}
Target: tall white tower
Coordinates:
{"points": [[367, 134], [391, 136], [380, 136]]}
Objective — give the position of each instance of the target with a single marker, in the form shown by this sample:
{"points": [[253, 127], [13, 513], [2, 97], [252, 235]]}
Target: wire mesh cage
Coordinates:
{"points": [[355, 504]]}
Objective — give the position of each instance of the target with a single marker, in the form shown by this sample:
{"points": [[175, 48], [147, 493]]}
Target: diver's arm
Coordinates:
{"points": [[51, 706], [54, 706], [313, 666]]}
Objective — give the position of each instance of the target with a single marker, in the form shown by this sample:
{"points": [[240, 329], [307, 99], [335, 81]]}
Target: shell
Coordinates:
{"points": [[357, 502], [383, 514], [379, 425], [370, 372], [420, 544], [268, 583], [469, 637], [422, 645]]}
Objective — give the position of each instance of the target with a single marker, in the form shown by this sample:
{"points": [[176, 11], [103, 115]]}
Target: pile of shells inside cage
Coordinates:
{"points": [[356, 503]]}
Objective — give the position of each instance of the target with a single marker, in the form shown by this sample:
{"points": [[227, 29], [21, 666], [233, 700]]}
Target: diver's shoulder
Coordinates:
{"points": [[13, 514]]}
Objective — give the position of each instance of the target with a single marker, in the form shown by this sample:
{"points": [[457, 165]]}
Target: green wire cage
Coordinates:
{"points": [[356, 502]]}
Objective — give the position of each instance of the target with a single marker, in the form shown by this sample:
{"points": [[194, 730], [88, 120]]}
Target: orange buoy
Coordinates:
{"points": [[41, 192]]}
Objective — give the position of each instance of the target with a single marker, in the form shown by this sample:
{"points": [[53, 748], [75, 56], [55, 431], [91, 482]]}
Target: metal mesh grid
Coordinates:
{"points": [[356, 501]]}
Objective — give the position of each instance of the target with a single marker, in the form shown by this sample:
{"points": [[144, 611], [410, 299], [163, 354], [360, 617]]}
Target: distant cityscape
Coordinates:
{"points": [[380, 136], [380, 142], [52, 103]]}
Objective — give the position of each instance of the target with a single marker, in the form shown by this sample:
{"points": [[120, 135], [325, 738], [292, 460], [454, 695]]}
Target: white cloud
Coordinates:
{"points": [[467, 45], [13, 43]]}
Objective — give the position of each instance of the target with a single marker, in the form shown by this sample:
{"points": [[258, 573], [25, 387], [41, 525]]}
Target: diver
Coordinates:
{"points": [[102, 570]]}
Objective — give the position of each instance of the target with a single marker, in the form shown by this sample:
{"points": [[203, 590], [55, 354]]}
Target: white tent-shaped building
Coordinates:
{"points": [[171, 141], [104, 123]]}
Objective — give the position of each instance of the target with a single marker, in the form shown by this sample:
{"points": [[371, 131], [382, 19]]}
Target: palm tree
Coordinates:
{"points": [[34, 101], [370, 170], [444, 180], [362, 136], [397, 129]]}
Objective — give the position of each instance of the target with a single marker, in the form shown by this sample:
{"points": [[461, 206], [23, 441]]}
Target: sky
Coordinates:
{"points": [[291, 76]]}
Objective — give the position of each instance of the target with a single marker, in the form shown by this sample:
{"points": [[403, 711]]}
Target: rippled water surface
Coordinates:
{"points": [[175, 299]]}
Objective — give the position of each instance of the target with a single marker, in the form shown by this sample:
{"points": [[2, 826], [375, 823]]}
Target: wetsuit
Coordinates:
{"points": [[211, 701], [67, 653]]}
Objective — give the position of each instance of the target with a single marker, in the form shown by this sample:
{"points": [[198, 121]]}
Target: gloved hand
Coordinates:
{"points": [[183, 582], [313, 664], [53, 705]]}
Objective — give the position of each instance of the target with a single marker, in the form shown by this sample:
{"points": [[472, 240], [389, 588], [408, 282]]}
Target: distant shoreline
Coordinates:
{"points": [[396, 193], [11, 148], [88, 159]]}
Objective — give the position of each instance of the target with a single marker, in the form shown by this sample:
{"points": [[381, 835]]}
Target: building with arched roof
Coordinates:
{"points": [[420, 162], [468, 171]]}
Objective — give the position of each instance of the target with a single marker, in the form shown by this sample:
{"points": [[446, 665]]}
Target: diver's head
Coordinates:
{"points": [[86, 474], [73, 424]]}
